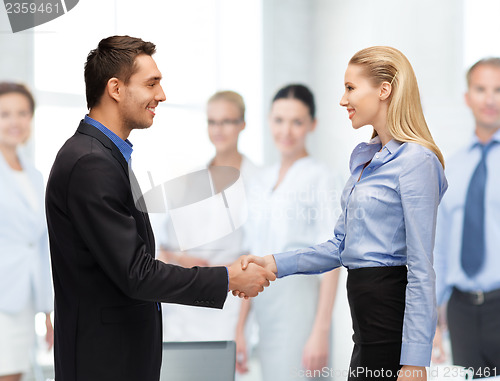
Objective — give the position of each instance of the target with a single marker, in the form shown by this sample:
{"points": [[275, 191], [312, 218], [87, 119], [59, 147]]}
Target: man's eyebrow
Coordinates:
{"points": [[155, 78]]}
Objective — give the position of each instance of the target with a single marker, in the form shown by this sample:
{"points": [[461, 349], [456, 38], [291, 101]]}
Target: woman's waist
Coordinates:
{"points": [[356, 259], [377, 275]]}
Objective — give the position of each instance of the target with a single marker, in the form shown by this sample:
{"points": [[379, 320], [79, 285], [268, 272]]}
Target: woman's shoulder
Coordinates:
{"points": [[423, 164], [29, 167], [415, 153]]}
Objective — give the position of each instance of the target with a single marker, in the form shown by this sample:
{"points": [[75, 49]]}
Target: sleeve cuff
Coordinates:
{"points": [[416, 354], [286, 263]]}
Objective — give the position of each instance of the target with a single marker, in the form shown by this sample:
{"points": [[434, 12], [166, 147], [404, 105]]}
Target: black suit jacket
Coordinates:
{"points": [[107, 283]]}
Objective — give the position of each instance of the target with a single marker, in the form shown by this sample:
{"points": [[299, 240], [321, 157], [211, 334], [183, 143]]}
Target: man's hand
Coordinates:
{"points": [[250, 281], [266, 262]]}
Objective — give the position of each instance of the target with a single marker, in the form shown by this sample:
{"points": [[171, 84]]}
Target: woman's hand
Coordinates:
{"points": [[412, 373], [241, 353], [49, 336], [267, 262], [316, 351], [438, 352]]}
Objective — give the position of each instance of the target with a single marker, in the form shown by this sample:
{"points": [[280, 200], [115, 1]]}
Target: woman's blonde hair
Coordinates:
{"points": [[405, 118], [230, 96]]}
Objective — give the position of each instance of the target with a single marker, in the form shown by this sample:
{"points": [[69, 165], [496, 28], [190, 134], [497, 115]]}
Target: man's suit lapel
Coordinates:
{"points": [[87, 129], [141, 206]]}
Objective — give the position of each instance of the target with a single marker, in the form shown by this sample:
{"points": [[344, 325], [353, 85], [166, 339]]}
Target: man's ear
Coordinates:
{"points": [[113, 88], [467, 99], [385, 91]]}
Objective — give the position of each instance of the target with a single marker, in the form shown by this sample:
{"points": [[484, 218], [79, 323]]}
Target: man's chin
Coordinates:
{"points": [[490, 126], [142, 126]]}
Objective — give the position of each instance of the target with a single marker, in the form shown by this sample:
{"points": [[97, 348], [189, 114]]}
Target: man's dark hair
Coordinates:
{"points": [[113, 58], [11, 87]]}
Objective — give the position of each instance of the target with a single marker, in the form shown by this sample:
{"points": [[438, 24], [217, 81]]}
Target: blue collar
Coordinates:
{"points": [[124, 146]]}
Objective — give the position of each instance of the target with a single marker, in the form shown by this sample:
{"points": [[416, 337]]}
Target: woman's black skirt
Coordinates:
{"points": [[377, 301]]}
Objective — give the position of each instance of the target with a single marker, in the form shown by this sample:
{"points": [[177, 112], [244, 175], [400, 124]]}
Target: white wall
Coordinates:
{"points": [[287, 51]]}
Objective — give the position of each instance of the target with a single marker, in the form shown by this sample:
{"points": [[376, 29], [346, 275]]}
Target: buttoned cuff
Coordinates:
{"points": [[286, 263], [416, 354]]}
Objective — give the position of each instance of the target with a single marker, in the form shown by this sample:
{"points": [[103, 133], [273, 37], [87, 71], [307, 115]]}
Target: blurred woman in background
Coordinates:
{"points": [[25, 282], [225, 120], [292, 207]]}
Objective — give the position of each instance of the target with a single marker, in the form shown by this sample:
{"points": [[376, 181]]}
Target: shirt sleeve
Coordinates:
{"points": [[314, 259], [441, 252], [420, 194]]}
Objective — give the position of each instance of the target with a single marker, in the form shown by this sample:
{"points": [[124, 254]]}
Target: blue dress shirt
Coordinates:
{"points": [[388, 219], [124, 146], [449, 272]]}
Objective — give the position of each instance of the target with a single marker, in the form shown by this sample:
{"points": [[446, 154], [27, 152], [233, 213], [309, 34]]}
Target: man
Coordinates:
{"points": [[107, 283], [467, 259]]}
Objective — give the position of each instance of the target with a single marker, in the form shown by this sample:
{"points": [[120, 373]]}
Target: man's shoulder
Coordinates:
{"points": [[81, 151], [79, 146]]}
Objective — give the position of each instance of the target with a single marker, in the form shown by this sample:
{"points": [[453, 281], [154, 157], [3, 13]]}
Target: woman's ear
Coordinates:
{"points": [[113, 88], [314, 123], [385, 91]]}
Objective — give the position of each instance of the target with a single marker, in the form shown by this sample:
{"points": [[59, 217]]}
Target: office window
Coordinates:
{"points": [[481, 28], [202, 46]]}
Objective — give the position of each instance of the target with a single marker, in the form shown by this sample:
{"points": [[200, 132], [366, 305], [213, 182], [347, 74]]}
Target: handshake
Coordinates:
{"points": [[250, 274]]}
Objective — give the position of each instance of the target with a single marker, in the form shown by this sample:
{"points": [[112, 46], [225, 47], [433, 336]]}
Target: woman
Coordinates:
{"points": [[385, 235], [24, 259], [226, 120], [292, 209]]}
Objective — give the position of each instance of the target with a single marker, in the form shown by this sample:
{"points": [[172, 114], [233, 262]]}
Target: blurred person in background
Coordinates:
{"points": [[292, 207], [467, 237], [225, 120], [25, 280]]}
